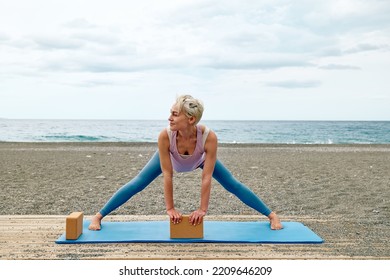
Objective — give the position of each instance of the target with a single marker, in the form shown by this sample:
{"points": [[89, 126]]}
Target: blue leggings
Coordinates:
{"points": [[152, 170]]}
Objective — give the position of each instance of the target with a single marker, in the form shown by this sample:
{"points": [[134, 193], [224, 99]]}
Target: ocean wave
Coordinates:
{"points": [[74, 138]]}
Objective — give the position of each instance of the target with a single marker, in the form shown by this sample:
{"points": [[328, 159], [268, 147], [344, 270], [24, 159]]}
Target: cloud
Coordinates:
{"points": [[338, 67], [201, 34], [256, 63], [56, 43], [100, 81], [210, 46], [292, 84], [4, 37], [79, 23], [366, 47]]}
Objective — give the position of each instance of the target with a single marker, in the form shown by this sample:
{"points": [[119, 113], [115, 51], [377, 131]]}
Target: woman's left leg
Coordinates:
{"points": [[231, 184]]}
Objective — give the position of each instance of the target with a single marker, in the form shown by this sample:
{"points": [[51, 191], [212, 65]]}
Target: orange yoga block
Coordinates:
{"points": [[74, 225], [186, 230]]}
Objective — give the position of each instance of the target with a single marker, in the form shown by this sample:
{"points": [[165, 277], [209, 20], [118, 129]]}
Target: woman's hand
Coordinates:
{"points": [[174, 215], [196, 217]]}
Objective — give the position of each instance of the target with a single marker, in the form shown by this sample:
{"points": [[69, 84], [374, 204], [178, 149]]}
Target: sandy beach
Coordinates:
{"points": [[342, 192]]}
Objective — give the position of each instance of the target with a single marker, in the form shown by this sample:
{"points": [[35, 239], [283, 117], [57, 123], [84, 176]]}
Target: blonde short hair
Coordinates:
{"points": [[190, 106]]}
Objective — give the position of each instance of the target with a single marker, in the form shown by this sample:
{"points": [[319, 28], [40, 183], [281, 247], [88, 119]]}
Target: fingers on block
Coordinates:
{"points": [[186, 230]]}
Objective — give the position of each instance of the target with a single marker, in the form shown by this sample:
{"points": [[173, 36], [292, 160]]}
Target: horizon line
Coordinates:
{"points": [[233, 120]]}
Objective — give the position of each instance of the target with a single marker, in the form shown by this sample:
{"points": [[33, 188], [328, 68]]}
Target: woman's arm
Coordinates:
{"points": [[167, 171], [211, 144]]}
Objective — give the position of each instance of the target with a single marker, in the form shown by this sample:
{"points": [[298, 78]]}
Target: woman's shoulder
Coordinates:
{"points": [[208, 134], [206, 130], [163, 136], [211, 142], [212, 136], [203, 128]]}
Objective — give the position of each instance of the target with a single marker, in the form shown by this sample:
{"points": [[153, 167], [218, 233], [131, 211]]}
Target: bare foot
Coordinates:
{"points": [[275, 221], [96, 222]]}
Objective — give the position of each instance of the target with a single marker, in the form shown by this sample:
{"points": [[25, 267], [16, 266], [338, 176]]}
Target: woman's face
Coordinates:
{"points": [[177, 120]]}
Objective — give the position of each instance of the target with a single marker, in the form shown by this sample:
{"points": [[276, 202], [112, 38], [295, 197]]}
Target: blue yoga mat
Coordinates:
{"points": [[214, 232]]}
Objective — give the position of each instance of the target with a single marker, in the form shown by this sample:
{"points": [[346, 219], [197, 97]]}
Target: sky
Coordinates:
{"points": [[246, 60]]}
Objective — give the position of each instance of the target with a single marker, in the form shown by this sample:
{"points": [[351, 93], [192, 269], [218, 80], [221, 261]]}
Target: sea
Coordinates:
{"points": [[269, 132]]}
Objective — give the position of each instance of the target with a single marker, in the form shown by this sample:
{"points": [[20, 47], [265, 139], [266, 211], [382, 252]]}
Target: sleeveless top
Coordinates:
{"points": [[185, 163]]}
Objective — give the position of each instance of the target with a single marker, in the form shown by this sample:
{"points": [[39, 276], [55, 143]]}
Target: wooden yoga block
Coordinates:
{"points": [[186, 230], [74, 225]]}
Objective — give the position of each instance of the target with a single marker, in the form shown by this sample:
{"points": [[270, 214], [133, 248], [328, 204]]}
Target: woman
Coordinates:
{"points": [[185, 146]]}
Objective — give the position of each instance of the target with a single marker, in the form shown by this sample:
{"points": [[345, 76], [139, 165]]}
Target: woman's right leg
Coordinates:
{"points": [[150, 172]]}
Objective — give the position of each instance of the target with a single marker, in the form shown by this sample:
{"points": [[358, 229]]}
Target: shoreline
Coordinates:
{"points": [[121, 143]]}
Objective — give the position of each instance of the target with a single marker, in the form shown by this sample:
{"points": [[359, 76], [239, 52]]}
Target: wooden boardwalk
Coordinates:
{"points": [[33, 237]]}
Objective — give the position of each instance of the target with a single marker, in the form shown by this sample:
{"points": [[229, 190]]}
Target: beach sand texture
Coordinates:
{"points": [[342, 192]]}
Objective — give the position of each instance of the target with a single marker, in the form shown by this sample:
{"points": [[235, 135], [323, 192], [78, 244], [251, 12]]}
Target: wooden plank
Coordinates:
{"points": [[33, 237]]}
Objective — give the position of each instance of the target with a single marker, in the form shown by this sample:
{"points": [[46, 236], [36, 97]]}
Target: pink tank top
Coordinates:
{"points": [[185, 163]]}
